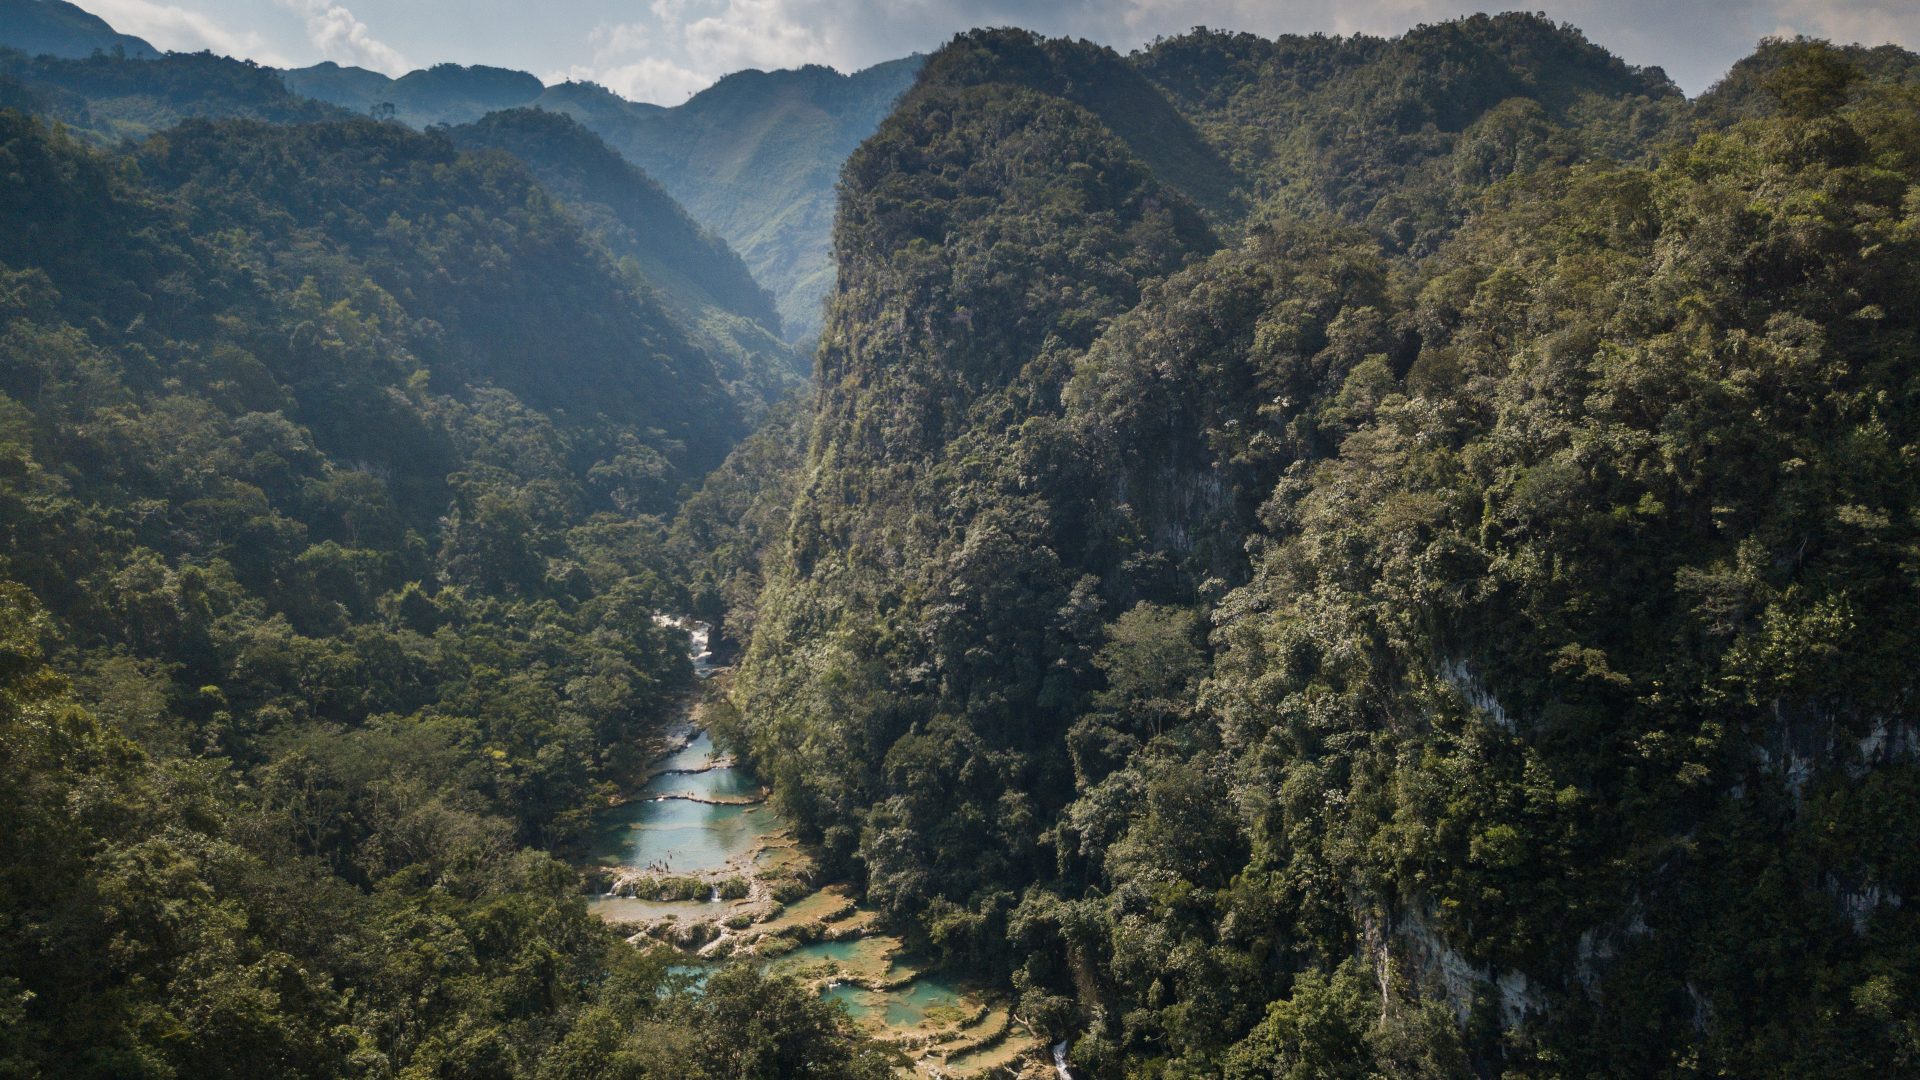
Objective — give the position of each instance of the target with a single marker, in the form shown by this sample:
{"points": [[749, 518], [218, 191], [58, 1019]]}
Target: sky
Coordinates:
{"points": [[665, 50]]}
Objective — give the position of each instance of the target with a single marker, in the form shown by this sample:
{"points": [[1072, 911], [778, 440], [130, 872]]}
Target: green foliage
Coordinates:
{"points": [[1151, 663], [108, 96], [1343, 1026], [1398, 135], [754, 158], [1100, 81], [631, 214], [1803, 77], [1538, 465], [758, 1027], [341, 526], [162, 918]]}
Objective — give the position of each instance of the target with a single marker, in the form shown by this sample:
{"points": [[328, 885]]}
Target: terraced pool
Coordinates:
{"points": [[668, 830]]}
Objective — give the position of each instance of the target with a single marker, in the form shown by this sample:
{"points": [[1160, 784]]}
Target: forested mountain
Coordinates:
{"points": [[753, 158], [1304, 557], [724, 309], [441, 94], [57, 28], [700, 281], [111, 98], [333, 463], [1417, 590]]}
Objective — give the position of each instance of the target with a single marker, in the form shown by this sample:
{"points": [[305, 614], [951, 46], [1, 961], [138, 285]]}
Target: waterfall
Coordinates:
{"points": [[699, 640]]}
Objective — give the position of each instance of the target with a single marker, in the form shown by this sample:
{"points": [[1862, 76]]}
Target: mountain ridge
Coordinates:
{"points": [[58, 28], [1385, 641], [716, 301], [1304, 556], [753, 157]]}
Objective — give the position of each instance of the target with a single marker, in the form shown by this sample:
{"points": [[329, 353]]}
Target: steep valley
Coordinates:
{"points": [[1258, 556]]}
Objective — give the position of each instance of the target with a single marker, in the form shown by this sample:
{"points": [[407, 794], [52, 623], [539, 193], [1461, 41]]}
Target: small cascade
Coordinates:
{"points": [[699, 641], [1060, 1060]]}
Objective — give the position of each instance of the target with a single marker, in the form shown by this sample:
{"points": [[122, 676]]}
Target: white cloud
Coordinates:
{"points": [[671, 12], [611, 42], [1866, 22], [651, 78], [758, 33], [679, 52], [340, 37], [631, 60], [178, 29]]}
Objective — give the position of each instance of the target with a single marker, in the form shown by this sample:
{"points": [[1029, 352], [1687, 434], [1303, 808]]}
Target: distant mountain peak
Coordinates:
{"points": [[57, 28], [506, 82]]}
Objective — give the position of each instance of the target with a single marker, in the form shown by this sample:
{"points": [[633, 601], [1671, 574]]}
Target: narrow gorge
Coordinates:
{"points": [[1126, 551]]}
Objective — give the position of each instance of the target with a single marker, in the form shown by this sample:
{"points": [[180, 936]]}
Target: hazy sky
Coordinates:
{"points": [[663, 50]]}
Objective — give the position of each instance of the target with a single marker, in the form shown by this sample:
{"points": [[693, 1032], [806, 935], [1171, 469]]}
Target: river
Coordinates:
{"points": [[698, 859]]}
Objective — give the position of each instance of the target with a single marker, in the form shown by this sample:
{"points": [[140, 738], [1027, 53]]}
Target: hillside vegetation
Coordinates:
{"points": [[656, 243], [1418, 590], [753, 158], [107, 98], [692, 275], [333, 471]]}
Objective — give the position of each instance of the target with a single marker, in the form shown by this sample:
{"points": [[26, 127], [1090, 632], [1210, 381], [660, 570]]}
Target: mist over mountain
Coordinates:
{"points": [[753, 158]]}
